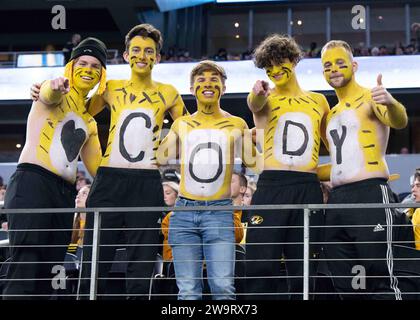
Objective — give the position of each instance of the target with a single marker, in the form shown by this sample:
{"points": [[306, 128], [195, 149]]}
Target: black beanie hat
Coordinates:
{"points": [[90, 47]]}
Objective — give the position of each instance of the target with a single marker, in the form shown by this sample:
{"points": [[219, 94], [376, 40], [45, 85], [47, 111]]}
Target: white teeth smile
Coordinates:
{"points": [[278, 76], [208, 93], [141, 64], [87, 78]]}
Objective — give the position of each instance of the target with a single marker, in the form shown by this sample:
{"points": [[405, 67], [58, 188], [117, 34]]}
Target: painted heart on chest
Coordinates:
{"points": [[72, 140]]}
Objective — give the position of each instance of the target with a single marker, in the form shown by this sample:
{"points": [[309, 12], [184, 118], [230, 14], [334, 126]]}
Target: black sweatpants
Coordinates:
{"points": [[32, 186], [116, 187], [365, 250], [265, 244]]}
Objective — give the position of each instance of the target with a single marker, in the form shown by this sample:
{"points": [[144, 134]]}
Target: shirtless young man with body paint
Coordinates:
{"points": [[294, 123], [128, 175], [207, 142], [59, 129], [357, 131]]}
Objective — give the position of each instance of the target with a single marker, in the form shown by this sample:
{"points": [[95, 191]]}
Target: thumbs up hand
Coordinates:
{"points": [[380, 94]]}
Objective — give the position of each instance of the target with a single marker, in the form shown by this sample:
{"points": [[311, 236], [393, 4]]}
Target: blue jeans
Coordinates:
{"points": [[203, 235]]}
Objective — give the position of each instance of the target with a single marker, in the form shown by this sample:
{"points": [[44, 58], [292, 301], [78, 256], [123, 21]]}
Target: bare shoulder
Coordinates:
{"points": [[237, 121], [166, 88], [113, 84], [318, 97]]}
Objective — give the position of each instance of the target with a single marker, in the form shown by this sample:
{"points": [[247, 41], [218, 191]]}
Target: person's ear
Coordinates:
{"points": [[125, 56], [355, 66]]}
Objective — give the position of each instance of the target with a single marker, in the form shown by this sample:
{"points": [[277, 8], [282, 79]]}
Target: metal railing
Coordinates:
{"points": [[307, 209]]}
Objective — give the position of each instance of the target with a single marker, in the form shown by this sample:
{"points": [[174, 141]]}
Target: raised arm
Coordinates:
{"points": [[52, 91], [386, 108], [257, 98]]}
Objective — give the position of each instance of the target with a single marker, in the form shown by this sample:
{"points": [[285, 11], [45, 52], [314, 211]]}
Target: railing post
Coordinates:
{"points": [[306, 214], [95, 256]]}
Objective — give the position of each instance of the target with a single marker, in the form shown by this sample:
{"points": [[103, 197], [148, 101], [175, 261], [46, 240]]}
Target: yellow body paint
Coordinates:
{"points": [[292, 135], [357, 127], [57, 134], [208, 148], [292, 120], [138, 107], [208, 142]]}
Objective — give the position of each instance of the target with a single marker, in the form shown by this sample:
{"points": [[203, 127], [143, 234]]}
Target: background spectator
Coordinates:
{"points": [[80, 217], [221, 55], [238, 188], [415, 214], [81, 182], [250, 190], [404, 150], [75, 40], [170, 192]]}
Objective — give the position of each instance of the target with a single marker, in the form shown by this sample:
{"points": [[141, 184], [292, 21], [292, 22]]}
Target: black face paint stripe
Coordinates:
{"points": [[196, 89], [218, 91]]}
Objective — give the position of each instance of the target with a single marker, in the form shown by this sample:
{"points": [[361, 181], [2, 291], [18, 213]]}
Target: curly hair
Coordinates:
{"points": [[274, 49], [145, 30]]}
